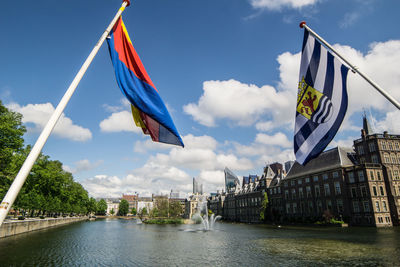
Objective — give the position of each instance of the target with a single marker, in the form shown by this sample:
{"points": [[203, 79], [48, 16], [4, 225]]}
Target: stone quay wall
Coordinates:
{"points": [[9, 228]]}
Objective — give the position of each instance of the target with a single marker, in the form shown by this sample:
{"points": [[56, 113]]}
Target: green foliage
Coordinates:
{"points": [[164, 221], [175, 209], [48, 189], [264, 207], [134, 212], [144, 211], [101, 207], [123, 207]]}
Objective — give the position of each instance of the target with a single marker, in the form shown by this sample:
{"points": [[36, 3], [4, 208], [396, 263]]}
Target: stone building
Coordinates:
{"points": [[132, 200], [360, 186]]}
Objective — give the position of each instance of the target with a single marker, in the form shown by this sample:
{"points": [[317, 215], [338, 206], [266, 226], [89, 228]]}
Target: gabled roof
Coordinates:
{"points": [[331, 159]]}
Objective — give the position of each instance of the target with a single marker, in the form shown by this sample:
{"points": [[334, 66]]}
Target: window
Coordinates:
{"points": [[319, 206], [310, 206], [387, 219], [374, 159], [361, 176], [327, 189], [286, 194], [339, 204], [315, 178], [301, 192], [287, 208], [300, 181], [293, 193], [316, 190], [386, 158], [307, 179], [308, 190], [378, 173], [396, 145], [380, 220], [353, 192], [371, 147], [371, 175], [363, 191], [335, 174], [337, 188], [329, 204], [377, 207], [384, 207], [395, 174], [356, 207], [381, 190], [285, 184], [394, 159], [360, 150], [294, 207], [390, 145], [351, 177], [325, 176], [383, 144], [374, 190], [279, 190], [292, 182], [366, 206]]}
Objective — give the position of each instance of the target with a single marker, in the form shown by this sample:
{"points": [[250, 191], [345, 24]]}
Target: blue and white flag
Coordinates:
{"points": [[321, 99]]}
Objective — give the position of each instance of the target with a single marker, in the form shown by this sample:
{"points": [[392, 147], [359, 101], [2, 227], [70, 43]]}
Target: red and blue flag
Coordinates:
{"points": [[148, 109]]}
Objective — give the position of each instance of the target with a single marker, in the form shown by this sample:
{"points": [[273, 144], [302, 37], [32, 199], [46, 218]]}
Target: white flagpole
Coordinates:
{"points": [[37, 148], [353, 68]]}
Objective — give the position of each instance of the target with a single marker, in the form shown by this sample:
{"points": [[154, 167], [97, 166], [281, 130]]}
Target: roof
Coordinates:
{"points": [[331, 159]]}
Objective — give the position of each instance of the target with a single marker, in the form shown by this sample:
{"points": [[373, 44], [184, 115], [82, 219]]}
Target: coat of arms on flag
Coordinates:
{"points": [[321, 99]]}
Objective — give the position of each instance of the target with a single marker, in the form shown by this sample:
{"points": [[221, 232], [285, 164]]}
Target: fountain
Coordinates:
{"points": [[208, 223]]}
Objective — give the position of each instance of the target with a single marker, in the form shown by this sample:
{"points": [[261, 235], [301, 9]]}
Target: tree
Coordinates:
{"points": [[134, 211], [142, 212], [11, 142], [175, 209], [101, 207], [112, 211], [264, 207], [123, 207], [92, 205]]}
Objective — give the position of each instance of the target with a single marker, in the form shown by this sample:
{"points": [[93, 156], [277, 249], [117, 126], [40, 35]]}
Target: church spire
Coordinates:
{"points": [[366, 126]]}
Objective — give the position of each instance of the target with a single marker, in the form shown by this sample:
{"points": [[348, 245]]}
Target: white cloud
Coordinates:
{"points": [[279, 4], [390, 123], [119, 122], [39, 114], [349, 19], [82, 165], [241, 103], [278, 139]]}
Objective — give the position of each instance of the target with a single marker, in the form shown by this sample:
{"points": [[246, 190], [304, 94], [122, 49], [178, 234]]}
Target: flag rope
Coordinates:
{"points": [[19, 180], [354, 69]]}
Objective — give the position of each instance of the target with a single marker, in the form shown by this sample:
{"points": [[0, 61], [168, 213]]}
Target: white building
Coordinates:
{"points": [[112, 205]]}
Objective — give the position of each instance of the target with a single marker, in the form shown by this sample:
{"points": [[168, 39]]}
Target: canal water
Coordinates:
{"points": [[117, 242]]}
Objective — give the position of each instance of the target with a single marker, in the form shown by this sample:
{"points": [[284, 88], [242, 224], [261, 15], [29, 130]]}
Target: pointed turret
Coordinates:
{"points": [[366, 126]]}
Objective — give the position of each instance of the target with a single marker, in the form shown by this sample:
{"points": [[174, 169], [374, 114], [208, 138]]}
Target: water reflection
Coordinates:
{"points": [[126, 243]]}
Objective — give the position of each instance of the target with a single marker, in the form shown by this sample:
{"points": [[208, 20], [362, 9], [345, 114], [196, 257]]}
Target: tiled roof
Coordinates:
{"points": [[328, 160]]}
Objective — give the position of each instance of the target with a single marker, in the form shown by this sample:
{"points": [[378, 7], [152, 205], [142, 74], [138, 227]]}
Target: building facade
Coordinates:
{"points": [[360, 185]]}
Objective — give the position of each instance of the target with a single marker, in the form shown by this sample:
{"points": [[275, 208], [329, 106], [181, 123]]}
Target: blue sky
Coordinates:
{"points": [[226, 69]]}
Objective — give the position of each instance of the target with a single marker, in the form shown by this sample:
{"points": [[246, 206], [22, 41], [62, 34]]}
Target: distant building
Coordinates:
{"points": [[231, 180], [362, 186], [197, 187], [144, 202], [132, 200], [112, 206]]}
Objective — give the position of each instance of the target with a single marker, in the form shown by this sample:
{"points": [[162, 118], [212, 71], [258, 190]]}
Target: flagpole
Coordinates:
{"points": [[353, 68], [19, 180]]}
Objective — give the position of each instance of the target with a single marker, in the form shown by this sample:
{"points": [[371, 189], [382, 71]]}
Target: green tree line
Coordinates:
{"points": [[48, 190]]}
